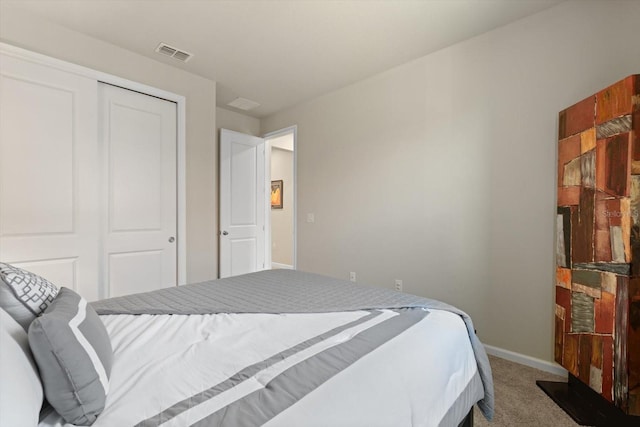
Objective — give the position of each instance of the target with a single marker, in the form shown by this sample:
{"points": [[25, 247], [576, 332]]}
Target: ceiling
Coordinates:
{"points": [[281, 53]]}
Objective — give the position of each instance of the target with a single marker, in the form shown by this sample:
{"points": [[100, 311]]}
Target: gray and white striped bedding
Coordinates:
{"points": [[289, 291], [295, 382], [285, 348]]}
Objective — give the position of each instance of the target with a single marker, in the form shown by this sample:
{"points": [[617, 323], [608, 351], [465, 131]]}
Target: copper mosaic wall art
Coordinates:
{"points": [[597, 312]]}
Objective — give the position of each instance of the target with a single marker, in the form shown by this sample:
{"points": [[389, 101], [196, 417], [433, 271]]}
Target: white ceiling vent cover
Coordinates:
{"points": [[173, 52], [243, 104]]}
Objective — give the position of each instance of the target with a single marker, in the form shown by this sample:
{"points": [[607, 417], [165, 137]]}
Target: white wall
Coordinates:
{"points": [[282, 219], [27, 31], [441, 172]]}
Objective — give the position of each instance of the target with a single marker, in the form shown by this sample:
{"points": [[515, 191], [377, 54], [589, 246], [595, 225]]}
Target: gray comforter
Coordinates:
{"points": [[288, 291]]}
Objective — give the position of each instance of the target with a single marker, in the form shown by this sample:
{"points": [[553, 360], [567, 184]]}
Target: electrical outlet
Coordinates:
{"points": [[398, 285], [352, 276]]}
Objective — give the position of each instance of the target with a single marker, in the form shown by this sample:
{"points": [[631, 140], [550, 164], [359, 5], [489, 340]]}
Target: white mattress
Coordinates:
{"points": [[412, 380]]}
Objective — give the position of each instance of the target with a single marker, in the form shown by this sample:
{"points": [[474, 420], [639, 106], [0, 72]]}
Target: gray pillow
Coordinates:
{"points": [[24, 295], [72, 349]]}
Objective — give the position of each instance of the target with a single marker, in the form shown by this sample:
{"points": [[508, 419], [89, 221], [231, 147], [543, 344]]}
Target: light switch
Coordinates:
{"points": [[311, 217]]}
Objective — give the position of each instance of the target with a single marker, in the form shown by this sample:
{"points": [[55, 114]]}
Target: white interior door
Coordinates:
{"points": [[48, 151], [242, 203], [138, 143]]}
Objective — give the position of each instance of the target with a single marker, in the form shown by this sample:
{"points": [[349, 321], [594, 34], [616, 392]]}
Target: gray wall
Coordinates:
{"points": [[29, 32], [441, 172]]}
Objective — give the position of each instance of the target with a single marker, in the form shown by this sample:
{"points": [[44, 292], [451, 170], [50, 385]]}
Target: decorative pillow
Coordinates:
{"points": [[24, 295], [72, 349], [20, 387]]}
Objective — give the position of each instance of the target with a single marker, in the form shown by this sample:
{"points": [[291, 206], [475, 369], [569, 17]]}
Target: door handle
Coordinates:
{"points": [[224, 233], [172, 239]]}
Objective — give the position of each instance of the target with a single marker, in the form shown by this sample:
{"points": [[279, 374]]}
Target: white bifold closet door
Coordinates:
{"points": [[87, 181], [48, 174], [138, 150]]}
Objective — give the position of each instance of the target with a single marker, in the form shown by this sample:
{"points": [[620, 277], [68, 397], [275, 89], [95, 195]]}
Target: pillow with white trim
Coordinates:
{"points": [[24, 295], [20, 387], [72, 349]]}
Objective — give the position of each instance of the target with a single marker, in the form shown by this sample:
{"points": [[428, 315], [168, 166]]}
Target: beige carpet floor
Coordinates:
{"points": [[519, 401]]}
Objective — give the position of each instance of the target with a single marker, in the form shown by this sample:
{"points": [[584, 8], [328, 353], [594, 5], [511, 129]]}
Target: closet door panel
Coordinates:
{"points": [[133, 272], [37, 173], [138, 146], [48, 173], [135, 169]]}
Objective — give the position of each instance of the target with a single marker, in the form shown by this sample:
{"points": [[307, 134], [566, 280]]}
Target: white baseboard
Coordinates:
{"points": [[278, 265], [522, 359]]}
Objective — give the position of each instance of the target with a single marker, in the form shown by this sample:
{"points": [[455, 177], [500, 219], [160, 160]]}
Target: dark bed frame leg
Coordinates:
{"points": [[468, 420]]}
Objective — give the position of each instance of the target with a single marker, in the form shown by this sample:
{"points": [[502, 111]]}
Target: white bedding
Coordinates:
{"points": [[160, 360]]}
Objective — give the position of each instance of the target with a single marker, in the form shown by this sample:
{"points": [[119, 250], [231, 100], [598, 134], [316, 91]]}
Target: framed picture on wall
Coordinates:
{"points": [[276, 194]]}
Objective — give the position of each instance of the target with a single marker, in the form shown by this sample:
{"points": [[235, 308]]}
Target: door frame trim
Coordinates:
{"points": [[270, 135], [181, 238]]}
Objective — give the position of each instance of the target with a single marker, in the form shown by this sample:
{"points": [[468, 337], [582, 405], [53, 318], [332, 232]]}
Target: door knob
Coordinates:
{"points": [[172, 239], [224, 233]]}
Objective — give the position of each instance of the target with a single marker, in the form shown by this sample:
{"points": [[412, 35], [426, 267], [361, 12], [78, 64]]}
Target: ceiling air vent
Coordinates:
{"points": [[243, 104], [173, 52]]}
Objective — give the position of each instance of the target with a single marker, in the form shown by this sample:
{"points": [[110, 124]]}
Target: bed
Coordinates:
{"points": [[284, 348]]}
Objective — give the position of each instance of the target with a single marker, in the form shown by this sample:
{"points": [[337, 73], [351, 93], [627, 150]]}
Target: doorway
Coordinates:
{"points": [[281, 160]]}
